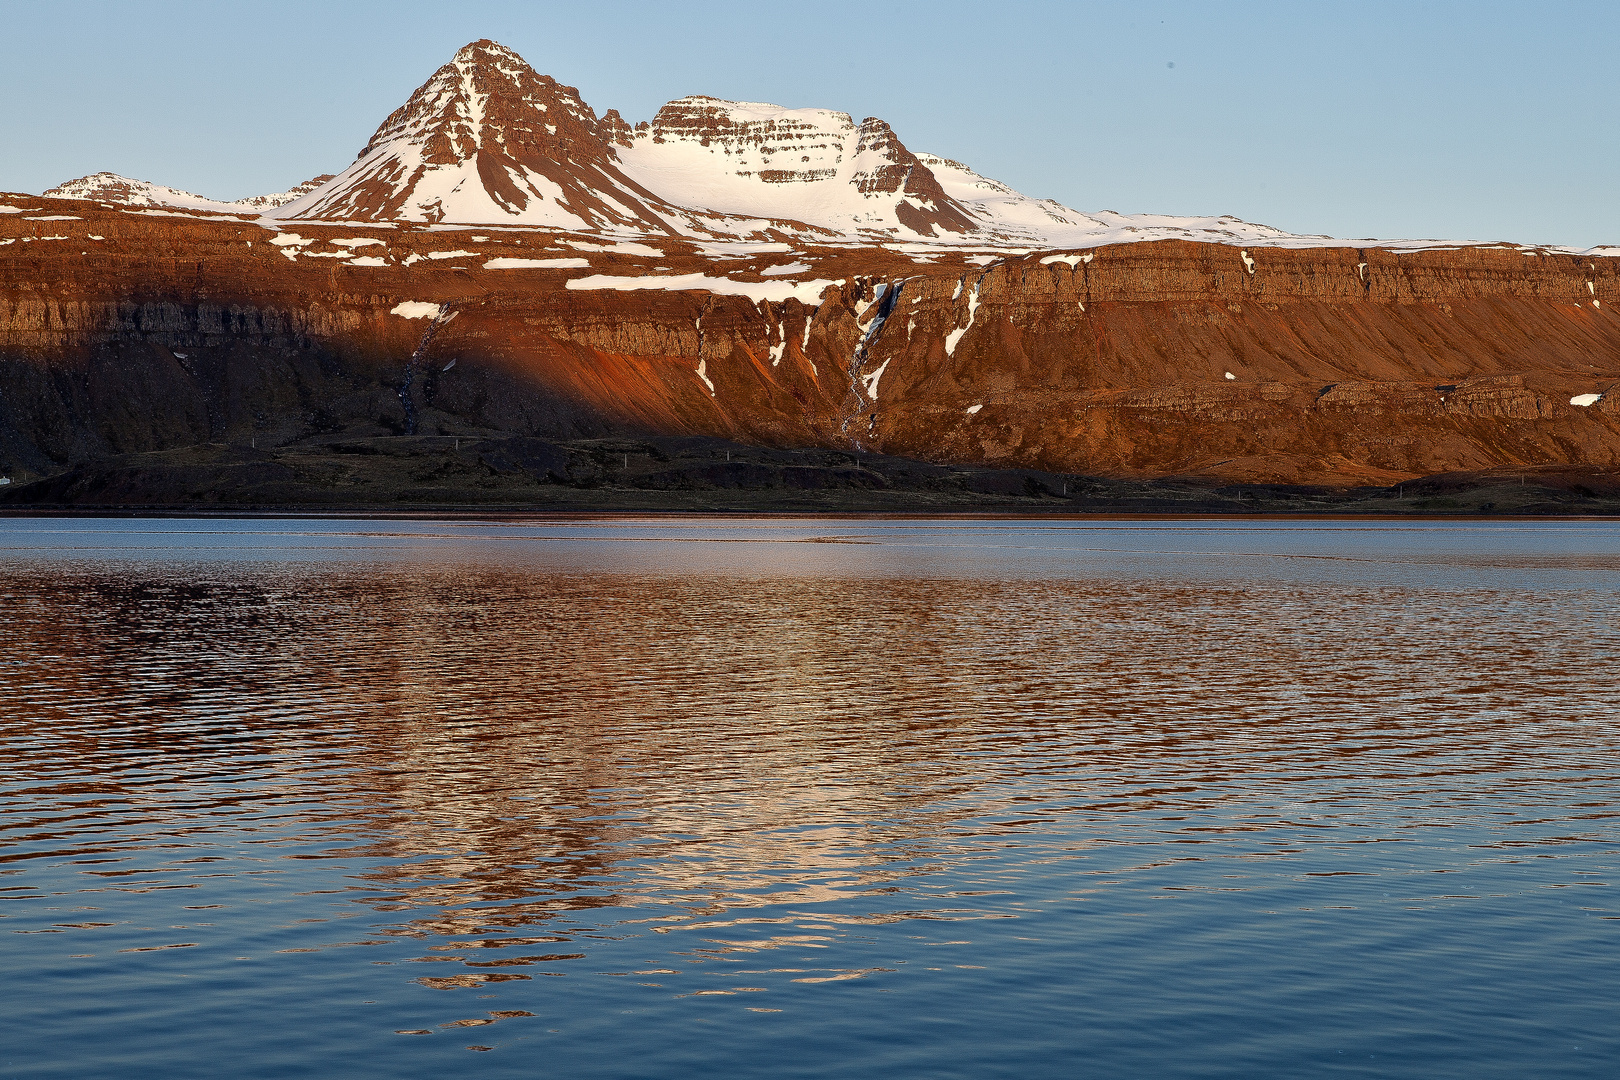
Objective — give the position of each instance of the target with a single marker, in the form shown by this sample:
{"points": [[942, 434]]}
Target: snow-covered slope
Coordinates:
{"points": [[489, 140], [124, 191], [1045, 223], [810, 165], [282, 198], [112, 188]]}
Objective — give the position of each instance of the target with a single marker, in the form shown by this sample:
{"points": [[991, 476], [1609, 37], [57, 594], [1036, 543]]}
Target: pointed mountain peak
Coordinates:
{"points": [[485, 49], [488, 138], [488, 96]]}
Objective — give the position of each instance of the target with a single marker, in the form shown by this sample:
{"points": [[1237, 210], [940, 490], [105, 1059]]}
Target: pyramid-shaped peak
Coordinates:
{"points": [[484, 50], [488, 138], [487, 97]]}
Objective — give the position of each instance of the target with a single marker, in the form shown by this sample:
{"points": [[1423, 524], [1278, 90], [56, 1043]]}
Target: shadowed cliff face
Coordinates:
{"points": [[123, 332]]}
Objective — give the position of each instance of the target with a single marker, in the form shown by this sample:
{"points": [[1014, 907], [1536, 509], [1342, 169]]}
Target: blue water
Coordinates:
{"points": [[816, 798]]}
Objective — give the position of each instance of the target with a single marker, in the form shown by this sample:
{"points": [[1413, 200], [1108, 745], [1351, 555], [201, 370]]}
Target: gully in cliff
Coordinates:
{"points": [[439, 316]]}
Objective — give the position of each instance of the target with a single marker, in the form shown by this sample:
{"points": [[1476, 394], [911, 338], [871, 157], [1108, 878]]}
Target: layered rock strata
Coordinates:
{"points": [[123, 331]]}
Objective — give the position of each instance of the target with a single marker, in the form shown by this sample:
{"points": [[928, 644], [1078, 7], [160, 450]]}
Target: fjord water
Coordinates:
{"points": [[813, 798]]}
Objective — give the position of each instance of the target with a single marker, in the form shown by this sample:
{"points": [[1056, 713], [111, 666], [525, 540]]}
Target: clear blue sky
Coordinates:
{"points": [[1476, 120]]}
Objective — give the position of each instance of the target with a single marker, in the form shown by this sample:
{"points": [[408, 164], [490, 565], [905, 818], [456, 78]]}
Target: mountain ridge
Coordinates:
{"points": [[487, 140]]}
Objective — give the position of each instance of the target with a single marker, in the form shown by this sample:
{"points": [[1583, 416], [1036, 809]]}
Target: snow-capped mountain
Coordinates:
{"points": [[489, 141], [112, 188], [125, 191], [810, 165]]}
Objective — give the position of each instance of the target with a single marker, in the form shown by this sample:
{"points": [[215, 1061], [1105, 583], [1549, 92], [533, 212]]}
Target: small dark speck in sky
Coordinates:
{"points": [[1171, 64]]}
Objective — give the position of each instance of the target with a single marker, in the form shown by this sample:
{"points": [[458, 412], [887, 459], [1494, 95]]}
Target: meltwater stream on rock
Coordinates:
{"points": [[815, 798]]}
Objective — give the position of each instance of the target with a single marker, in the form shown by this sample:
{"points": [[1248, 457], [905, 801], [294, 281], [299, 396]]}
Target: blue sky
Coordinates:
{"points": [[1477, 120]]}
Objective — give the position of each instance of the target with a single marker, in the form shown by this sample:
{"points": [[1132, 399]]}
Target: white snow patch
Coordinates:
{"points": [[358, 241], [194, 215], [779, 350], [1247, 262], [451, 255], [450, 365], [369, 260], [1071, 260], [871, 381], [14, 210], [624, 248], [1583, 400], [742, 249], [55, 217], [955, 336], [702, 373], [980, 260], [1229, 375], [973, 409], [536, 264], [786, 268], [863, 306], [93, 236], [806, 292], [416, 309]]}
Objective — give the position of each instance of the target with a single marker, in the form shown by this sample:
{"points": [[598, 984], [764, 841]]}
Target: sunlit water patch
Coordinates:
{"points": [[850, 798]]}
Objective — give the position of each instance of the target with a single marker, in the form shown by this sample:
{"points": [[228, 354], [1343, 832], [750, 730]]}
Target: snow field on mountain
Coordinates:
{"points": [[806, 292], [536, 264], [794, 164]]}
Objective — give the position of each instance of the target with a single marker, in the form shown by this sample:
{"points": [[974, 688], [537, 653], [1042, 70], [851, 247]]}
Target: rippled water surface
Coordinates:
{"points": [[823, 798]]}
